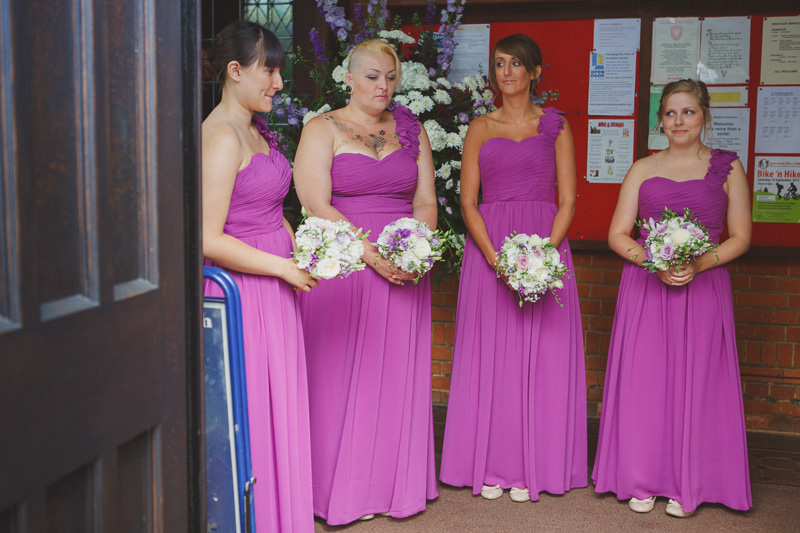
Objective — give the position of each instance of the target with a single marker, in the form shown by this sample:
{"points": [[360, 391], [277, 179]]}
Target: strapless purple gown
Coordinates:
{"points": [[368, 345], [673, 421], [517, 409], [275, 366]]}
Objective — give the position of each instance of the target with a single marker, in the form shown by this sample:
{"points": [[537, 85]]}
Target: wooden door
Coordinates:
{"points": [[99, 270]]}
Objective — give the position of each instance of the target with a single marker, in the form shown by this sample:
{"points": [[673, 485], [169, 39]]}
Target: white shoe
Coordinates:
{"points": [[519, 495], [676, 509], [642, 506], [367, 517], [491, 492]]}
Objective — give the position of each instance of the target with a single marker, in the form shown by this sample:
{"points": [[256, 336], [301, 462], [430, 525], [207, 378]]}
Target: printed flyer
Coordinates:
{"points": [[776, 189]]}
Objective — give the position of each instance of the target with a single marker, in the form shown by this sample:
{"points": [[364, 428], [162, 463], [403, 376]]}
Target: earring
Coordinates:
{"points": [[348, 89]]}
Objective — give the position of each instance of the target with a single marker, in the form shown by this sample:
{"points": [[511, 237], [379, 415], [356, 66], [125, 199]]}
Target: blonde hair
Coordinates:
{"points": [[375, 46]]}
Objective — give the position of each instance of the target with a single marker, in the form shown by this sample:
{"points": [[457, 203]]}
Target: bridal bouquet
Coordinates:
{"points": [[532, 265], [411, 246], [673, 240], [328, 248]]}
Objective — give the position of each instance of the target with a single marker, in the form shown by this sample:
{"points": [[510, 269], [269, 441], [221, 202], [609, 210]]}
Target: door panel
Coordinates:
{"points": [[99, 274]]}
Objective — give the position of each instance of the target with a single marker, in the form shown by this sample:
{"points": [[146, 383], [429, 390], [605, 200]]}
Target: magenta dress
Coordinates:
{"points": [[275, 366], [673, 422], [516, 416], [368, 345]]}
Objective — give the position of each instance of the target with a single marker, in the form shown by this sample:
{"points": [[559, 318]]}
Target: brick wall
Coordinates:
{"points": [[767, 309]]}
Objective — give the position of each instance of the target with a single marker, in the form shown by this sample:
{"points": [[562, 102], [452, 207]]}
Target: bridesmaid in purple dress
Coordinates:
{"points": [[516, 417], [245, 179], [368, 337], [672, 423]]}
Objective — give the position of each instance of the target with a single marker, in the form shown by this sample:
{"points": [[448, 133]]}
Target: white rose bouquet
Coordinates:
{"points": [[411, 246], [673, 240], [328, 248], [532, 265]]}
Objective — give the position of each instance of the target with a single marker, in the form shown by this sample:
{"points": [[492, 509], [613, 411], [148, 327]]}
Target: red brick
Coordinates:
{"points": [[607, 260], [769, 353], [608, 307], [440, 382], [756, 390], [793, 301], [449, 333], [793, 333], [612, 275], [762, 283], [591, 307], [761, 299], [786, 350], [599, 322], [756, 421], [751, 372], [776, 333], [791, 284], [583, 291], [588, 275], [436, 368], [594, 394], [443, 314], [438, 333], [437, 397], [758, 407], [783, 392], [760, 314], [594, 378], [591, 342], [450, 299], [741, 314], [740, 281], [605, 341], [794, 269], [780, 268], [604, 291], [792, 373], [581, 259], [595, 363], [442, 353], [787, 316], [436, 299]]}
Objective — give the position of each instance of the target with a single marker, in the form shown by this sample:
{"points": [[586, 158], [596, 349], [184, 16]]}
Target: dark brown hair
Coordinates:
{"points": [[523, 48], [247, 43]]}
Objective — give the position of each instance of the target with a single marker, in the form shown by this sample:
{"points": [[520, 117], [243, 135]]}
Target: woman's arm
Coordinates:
{"points": [[220, 165], [565, 178], [470, 189], [624, 218], [424, 201]]}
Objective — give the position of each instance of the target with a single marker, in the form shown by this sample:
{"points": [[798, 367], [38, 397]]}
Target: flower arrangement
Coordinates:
{"points": [[673, 240], [411, 246], [444, 107], [328, 248], [532, 265]]}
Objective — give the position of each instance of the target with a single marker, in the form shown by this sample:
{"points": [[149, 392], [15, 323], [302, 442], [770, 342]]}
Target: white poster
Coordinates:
{"points": [[472, 52], [612, 83], [617, 35], [724, 50], [778, 120], [675, 49], [609, 151], [780, 51], [730, 130]]}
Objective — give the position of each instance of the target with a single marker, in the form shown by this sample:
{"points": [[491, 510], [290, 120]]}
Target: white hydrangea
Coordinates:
{"points": [[416, 106], [397, 35], [453, 140], [436, 134], [339, 72], [415, 76], [488, 95], [448, 184], [462, 130], [401, 99], [443, 172], [312, 114], [440, 96], [469, 83], [444, 82]]}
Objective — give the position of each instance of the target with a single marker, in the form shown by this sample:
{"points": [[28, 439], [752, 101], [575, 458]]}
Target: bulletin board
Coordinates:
{"points": [[566, 48]]}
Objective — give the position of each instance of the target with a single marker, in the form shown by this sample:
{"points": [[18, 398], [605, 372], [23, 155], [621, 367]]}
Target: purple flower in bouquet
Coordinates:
{"points": [[667, 252]]}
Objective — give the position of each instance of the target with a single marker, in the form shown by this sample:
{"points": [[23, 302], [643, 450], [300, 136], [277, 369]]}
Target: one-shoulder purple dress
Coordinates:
{"points": [[275, 366], [516, 416], [368, 345], [672, 422]]}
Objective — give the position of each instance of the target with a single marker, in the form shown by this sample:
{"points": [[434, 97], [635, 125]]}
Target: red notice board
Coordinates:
{"points": [[566, 46]]}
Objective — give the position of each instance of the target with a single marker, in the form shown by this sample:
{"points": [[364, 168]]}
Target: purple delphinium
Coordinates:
{"points": [[316, 42], [335, 18]]}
